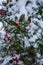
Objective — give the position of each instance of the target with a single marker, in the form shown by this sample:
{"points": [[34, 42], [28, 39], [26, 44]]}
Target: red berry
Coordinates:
{"points": [[17, 22], [9, 38], [1, 12], [16, 59]]}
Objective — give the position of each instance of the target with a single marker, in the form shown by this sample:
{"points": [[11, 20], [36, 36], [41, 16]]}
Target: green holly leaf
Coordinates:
{"points": [[31, 49], [40, 11], [29, 19], [22, 17], [41, 46], [15, 46], [18, 48], [11, 22]]}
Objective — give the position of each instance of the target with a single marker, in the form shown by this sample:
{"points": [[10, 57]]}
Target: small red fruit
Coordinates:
{"points": [[15, 58], [17, 22], [2, 12], [9, 38]]}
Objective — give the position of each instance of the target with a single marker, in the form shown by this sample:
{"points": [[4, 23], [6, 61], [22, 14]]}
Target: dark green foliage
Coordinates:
{"points": [[4, 3], [16, 0], [11, 22], [40, 11], [29, 19], [41, 48], [31, 50], [18, 48], [11, 61], [22, 18], [28, 2]]}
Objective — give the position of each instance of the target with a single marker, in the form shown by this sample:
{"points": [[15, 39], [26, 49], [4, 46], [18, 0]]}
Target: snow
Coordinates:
{"points": [[2, 34], [41, 2], [41, 61], [38, 55], [6, 60], [20, 6], [26, 42], [35, 45], [1, 25], [32, 39]]}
